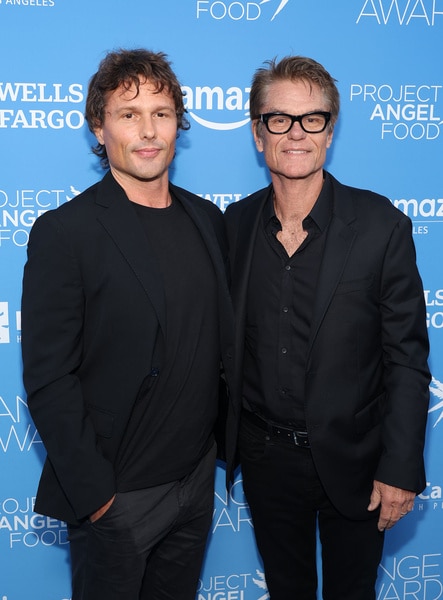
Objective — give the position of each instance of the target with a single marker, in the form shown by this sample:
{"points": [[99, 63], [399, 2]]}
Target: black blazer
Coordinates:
{"points": [[366, 371], [92, 310]]}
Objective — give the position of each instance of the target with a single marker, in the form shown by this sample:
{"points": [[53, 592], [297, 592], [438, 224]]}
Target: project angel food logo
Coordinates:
{"points": [[401, 12], [34, 105], [402, 111], [22, 527], [219, 108], [239, 11], [19, 210], [233, 587]]}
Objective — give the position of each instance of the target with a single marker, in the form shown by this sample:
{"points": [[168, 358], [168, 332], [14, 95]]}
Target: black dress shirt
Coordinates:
{"points": [[280, 301]]}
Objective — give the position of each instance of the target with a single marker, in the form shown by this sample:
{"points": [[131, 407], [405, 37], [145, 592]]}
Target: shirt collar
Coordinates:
{"points": [[321, 211]]}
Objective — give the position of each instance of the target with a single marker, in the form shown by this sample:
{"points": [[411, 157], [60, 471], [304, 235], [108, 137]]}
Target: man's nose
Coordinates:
{"points": [[147, 127], [296, 130]]}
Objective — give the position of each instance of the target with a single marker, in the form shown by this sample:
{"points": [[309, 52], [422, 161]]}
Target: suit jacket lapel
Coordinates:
{"points": [[339, 241], [121, 223], [203, 224], [246, 236], [213, 244]]}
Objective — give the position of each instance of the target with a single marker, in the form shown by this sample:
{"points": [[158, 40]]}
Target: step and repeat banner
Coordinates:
{"points": [[387, 58]]}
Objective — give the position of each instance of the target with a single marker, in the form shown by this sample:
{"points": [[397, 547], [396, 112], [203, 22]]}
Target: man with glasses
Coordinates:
{"points": [[332, 387]]}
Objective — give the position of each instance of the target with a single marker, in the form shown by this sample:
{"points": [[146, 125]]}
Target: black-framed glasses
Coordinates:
{"points": [[279, 123]]}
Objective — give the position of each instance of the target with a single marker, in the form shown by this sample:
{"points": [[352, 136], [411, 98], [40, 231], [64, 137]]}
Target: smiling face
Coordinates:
{"points": [[295, 155], [139, 133]]}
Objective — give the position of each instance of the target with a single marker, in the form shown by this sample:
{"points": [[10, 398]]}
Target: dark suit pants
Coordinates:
{"points": [[149, 545], [287, 502]]}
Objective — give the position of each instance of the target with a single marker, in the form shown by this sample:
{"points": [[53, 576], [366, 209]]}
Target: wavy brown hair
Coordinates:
{"points": [[128, 68]]}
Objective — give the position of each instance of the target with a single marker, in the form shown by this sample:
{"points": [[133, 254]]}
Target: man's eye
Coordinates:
{"points": [[279, 120]]}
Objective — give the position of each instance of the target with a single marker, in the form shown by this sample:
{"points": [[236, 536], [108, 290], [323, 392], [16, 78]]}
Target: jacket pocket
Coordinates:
{"points": [[103, 421], [354, 285], [369, 416]]}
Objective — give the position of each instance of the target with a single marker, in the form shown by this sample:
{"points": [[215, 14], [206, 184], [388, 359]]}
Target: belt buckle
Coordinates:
{"points": [[301, 438]]}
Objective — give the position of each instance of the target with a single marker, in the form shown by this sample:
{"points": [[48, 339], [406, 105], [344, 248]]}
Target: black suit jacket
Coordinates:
{"points": [[92, 311], [366, 370]]}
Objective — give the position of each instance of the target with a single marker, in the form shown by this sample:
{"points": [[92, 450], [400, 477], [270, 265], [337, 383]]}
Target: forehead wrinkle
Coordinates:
{"points": [[305, 91], [278, 110]]}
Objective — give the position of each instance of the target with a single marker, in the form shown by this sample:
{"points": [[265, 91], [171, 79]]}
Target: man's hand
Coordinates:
{"points": [[101, 511], [395, 503]]}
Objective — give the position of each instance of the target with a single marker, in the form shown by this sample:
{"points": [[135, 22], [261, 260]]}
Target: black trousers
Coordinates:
{"points": [[287, 502], [149, 545]]}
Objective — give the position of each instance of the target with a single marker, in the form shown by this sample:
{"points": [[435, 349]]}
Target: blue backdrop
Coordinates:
{"points": [[387, 58]]}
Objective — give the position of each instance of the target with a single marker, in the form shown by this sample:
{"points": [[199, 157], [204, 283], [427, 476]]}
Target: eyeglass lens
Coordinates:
{"points": [[311, 123]]}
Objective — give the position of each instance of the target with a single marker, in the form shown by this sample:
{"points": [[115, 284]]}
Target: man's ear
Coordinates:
{"points": [[329, 138], [256, 127], [98, 132]]}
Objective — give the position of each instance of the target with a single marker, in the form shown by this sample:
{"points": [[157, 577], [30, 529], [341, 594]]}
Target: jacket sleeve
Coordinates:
{"points": [[53, 307], [405, 352]]}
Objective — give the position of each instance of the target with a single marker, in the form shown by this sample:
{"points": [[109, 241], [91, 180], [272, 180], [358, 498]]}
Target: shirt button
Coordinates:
{"points": [[284, 350], [288, 267], [285, 309]]}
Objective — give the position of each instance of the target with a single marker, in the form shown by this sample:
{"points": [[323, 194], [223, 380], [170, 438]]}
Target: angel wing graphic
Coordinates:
{"points": [[261, 583], [279, 8], [436, 388], [74, 193]]}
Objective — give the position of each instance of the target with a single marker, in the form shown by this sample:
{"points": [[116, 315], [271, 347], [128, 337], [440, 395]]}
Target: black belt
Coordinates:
{"points": [[286, 434]]}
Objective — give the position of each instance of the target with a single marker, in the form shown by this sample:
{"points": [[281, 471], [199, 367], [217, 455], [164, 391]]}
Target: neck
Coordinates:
{"points": [[294, 198], [152, 193]]}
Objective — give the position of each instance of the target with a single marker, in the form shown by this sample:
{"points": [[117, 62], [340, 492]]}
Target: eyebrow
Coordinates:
{"points": [[135, 108], [277, 110]]}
